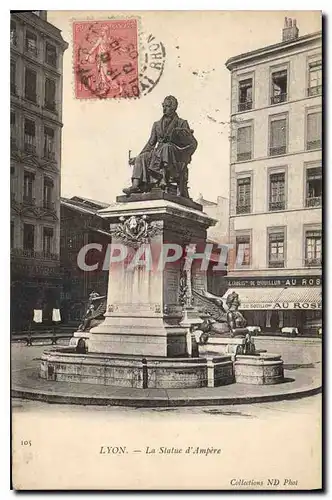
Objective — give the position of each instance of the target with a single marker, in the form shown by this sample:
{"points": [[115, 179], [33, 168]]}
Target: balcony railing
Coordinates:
{"points": [[28, 200], [49, 205], [243, 156], [313, 262], [50, 106], [277, 99], [29, 148], [31, 97], [277, 262], [31, 50], [314, 144], [13, 144], [243, 209], [277, 150], [245, 106], [30, 253], [49, 155], [313, 201], [276, 205], [312, 91], [13, 38]]}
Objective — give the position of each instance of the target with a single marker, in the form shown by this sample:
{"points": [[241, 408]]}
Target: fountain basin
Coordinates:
{"points": [[259, 369], [134, 371]]}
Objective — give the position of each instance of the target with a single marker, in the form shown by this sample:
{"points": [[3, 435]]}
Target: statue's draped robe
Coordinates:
{"points": [[171, 145]]}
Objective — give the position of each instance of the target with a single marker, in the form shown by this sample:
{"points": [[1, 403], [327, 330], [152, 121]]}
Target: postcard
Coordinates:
{"points": [[166, 250]]}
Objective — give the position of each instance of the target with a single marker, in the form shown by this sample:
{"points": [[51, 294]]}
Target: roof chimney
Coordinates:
{"points": [[290, 30]]}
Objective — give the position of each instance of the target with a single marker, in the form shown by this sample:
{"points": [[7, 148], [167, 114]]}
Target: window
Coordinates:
{"points": [[313, 248], [243, 251], [277, 248], [243, 205], [314, 187], [13, 77], [244, 143], [50, 55], [31, 43], [315, 78], [13, 143], [279, 87], [245, 95], [47, 241], [28, 179], [48, 193], [277, 191], [29, 136], [314, 130], [12, 234], [30, 85], [13, 33], [49, 143], [29, 237], [49, 94], [278, 136]]}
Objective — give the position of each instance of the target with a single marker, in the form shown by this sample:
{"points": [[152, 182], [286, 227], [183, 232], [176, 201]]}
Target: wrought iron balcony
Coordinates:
{"points": [[279, 262], [13, 144], [313, 262], [31, 50], [243, 156], [49, 205], [276, 205], [277, 99], [49, 155], [243, 209], [28, 200], [278, 150], [50, 106], [29, 148], [314, 144], [31, 253], [312, 91], [313, 201], [245, 106]]}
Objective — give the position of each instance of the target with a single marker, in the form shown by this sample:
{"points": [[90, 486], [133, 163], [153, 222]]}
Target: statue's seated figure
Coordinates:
{"points": [[165, 158]]}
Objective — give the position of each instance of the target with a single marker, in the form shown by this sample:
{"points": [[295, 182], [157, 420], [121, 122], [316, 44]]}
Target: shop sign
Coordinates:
{"points": [[277, 281], [280, 305]]}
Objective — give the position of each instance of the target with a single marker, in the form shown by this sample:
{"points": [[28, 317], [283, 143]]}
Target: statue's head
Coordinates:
{"points": [[170, 105]]}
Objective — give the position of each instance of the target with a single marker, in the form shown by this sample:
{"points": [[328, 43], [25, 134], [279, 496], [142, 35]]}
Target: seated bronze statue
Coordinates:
{"points": [[165, 158]]}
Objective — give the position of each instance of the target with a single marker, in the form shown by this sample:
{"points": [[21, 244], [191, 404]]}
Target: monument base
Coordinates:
{"points": [[139, 336]]}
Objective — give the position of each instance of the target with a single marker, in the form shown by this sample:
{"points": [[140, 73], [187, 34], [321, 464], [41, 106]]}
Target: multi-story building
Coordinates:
{"points": [[80, 226], [276, 180], [35, 137]]}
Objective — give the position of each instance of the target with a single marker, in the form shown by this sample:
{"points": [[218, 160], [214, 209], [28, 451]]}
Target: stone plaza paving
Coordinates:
{"points": [[302, 366]]}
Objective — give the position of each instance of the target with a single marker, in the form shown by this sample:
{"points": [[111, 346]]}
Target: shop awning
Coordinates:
{"points": [[300, 298], [278, 298]]}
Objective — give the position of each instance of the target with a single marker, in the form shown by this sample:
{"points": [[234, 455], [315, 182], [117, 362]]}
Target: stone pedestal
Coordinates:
{"points": [[224, 345], [143, 310], [262, 369]]}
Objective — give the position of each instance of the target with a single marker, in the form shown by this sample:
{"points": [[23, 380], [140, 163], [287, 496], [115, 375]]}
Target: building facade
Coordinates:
{"points": [[81, 226], [275, 218], [37, 49], [218, 236]]}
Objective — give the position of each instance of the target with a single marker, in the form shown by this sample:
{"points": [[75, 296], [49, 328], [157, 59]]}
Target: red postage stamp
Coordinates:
{"points": [[106, 58]]}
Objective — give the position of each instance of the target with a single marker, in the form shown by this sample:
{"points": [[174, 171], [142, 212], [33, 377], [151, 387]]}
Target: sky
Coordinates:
{"points": [[97, 134]]}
